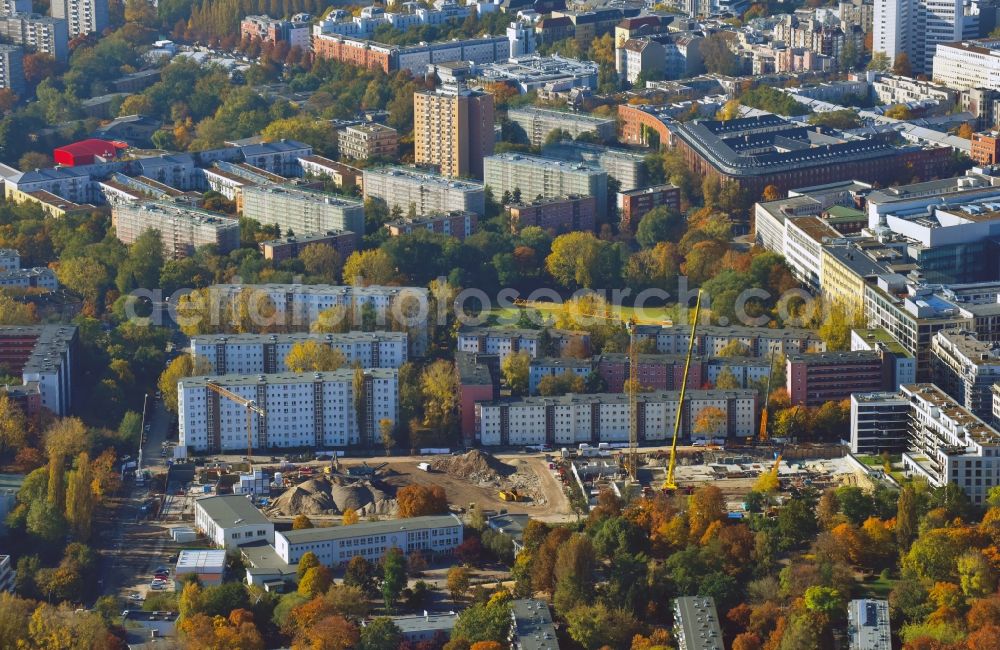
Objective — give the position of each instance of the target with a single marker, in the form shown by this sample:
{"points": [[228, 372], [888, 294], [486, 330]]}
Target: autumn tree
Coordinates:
{"points": [[514, 370], [581, 260], [350, 517], [13, 426], [386, 429], [458, 582], [901, 65], [314, 356], [421, 500], [13, 312], [771, 193], [711, 421], [80, 497], [561, 384], [966, 131], [301, 522], [315, 581], [369, 267], [574, 573], [706, 505], [439, 386], [185, 365]]}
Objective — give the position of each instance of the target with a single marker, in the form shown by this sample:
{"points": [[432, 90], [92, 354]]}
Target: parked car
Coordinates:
{"points": [[158, 586]]}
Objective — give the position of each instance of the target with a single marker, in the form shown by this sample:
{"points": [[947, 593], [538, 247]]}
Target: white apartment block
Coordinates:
{"points": [[302, 211], [39, 277], [538, 123], [950, 444], [428, 193], [891, 89], [254, 354], [38, 33], [966, 368], [44, 355], [502, 342], [968, 64], [917, 27], [12, 69], [298, 305], [82, 16], [336, 545], [230, 520], [10, 259], [710, 339], [535, 176], [8, 7], [7, 574], [573, 419], [182, 228], [302, 410]]}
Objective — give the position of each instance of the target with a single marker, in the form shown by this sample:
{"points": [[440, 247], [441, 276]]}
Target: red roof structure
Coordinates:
{"points": [[86, 152]]}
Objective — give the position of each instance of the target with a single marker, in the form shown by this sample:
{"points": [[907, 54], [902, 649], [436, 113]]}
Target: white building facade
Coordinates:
{"points": [[316, 410]]}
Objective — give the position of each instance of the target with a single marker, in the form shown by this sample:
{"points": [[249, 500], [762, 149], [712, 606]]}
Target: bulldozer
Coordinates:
{"points": [[511, 495]]}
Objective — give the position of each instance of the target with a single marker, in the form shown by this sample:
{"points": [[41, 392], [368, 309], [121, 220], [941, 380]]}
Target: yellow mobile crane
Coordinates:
{"points": [[631, 460], [669, 483], [251, 408]]}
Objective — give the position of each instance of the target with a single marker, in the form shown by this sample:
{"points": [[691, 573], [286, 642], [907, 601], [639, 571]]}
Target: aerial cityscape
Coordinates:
{"points": [[500, 324]]}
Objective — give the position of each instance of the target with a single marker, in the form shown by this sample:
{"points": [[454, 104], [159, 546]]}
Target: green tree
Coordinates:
{"points": [[660, 224], [141, 268], [596, 626], [393, 576], [880, 62], [718, 58], [380, 634], [574, 573], [488, 621]]}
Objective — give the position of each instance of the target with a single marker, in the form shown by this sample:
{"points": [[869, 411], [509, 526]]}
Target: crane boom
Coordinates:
{"points": [[251, 408], [762, 436], [669, 484]]}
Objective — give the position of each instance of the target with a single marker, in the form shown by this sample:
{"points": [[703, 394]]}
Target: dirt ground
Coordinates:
{"points": [[463, 493]]}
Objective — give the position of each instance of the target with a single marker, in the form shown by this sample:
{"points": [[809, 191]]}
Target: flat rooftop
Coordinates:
{"points": [[525, 160], [278, 378], [973, 351], [622, 398], [881, 338], [974, 427], [430, 622], [201, 561], [296, 337], [415, 176], [228, 510], [365, 528], [303, 194], [318, 289], [533, 628], [832, 358]]}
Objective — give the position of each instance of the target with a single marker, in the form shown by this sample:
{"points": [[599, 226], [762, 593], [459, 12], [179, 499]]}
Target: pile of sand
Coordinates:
{"points": [[321, 496], [475, 466]]}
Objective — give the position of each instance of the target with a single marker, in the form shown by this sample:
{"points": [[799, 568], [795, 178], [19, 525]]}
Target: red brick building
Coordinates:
{"points": [[364, 54], [560, 215], [634, 204], [640, 125], [656, 371], [985, 148], [813, 379], [342, 241], [458, 224], [478, 381]]}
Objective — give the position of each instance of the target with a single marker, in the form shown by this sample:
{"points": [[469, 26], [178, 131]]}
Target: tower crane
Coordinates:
{"points": [[251, 407], [631, 461], [669, 483], [762, 435]]}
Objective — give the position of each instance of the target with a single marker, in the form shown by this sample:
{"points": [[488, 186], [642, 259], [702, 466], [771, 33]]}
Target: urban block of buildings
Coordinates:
{"points": [[415, 58], [506, 341], [182, 228], [427, 193], [302, 210], [604, 417], [367, 141], [812, 379], [296, 32], [231, 520], [940, 440], [538, 123], [45, 357], [966, 369], [322, 410], [868, 625], [534, 176], [453, 130], [254, 354], [457, 224], [696, 623], [634, 204], [343, 241], [559, 215]]}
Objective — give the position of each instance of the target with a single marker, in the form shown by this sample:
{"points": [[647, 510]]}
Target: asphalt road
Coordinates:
{"points": [[130, 544]]}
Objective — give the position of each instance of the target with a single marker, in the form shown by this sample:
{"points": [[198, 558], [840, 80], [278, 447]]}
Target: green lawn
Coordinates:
{"points": [[877, 587], [509, 315]]}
